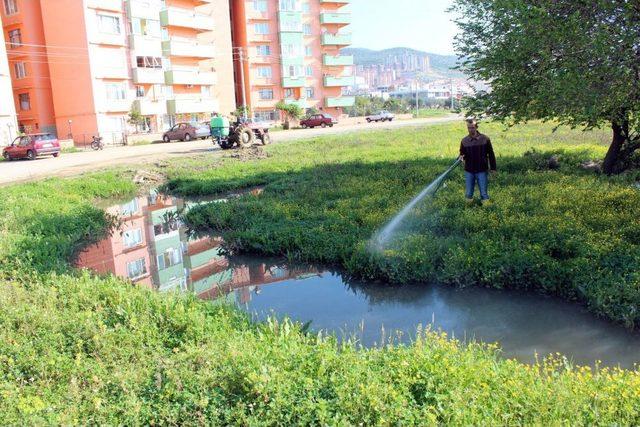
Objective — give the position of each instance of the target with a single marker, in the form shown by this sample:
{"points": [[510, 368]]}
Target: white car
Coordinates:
{"points": [[382, 116], [203, 130]]}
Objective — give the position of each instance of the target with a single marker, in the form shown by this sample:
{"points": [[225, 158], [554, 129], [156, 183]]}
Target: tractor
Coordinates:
{"points": [[242, 133]]}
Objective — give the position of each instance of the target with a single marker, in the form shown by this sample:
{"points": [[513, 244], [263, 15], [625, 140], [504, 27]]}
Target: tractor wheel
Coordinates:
{"points": [[225, 143], [245, 137], [265, 139]]}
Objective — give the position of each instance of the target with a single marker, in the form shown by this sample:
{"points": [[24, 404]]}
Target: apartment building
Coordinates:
{"points": [[8, 118], [107, 60], [27, 57], [289, 50]]}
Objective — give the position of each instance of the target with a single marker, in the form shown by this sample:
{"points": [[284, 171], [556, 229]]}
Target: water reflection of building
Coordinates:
{"points": [[152, 248]]}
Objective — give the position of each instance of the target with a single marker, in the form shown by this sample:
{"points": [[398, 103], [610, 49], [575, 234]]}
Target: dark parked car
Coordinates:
{"points": [[31, 146], [180, 132], [322, 120]]}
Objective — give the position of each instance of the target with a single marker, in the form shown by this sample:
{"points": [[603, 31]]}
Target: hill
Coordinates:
{"points": [[441, 65]]}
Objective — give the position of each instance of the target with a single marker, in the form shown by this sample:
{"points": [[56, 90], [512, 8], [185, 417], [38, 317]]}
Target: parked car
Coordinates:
{"points": [[322, 120], [203, 131], [381, 116], [180, 132], [31, 146]]}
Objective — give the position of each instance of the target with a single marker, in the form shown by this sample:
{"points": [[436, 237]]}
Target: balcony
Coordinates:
{"points": [[293, 81], [330, 81], [145, 46], [336, 39], [110, 5], [302, 102], [149, 107], [343, 101], [336, 2], [144, 9], [109, 39], [173, 17], [256, 15], [189, 77], [260, 38], [117, 105], [188, 48], [104, 72], [192, 105], [337, 61], [148, 75], [328, 18]]}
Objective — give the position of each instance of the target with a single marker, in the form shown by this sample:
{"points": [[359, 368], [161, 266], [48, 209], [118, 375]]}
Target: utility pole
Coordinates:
{"points": [[244, 90], [417, 101], [452, 95]]}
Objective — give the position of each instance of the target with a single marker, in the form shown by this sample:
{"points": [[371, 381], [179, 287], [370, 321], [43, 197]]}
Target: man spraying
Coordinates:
{"points": [[477, 154]]}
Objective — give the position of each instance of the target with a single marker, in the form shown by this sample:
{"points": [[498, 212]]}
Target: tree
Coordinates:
{"points": [[135, 118], [291, 112], [576, 62]]}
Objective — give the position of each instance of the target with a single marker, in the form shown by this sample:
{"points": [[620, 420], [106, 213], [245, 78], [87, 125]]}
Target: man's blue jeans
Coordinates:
{"points": [[482, 179]]}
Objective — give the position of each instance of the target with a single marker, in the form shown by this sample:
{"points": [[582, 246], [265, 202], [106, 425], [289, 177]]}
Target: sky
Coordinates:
{"points": [[418, 24]]}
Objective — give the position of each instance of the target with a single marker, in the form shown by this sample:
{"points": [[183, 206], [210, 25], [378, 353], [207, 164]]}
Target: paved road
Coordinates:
{"points": [[75, 163]]}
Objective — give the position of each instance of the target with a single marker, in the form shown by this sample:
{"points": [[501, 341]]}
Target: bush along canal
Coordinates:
{"points": [[152, 248]]}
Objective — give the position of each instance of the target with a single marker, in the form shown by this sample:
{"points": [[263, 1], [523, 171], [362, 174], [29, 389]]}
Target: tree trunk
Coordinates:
{"points": [[612, 160]]}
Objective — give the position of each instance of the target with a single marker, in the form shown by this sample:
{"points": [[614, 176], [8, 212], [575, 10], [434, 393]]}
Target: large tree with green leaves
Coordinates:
{"points": [[574, 61]]}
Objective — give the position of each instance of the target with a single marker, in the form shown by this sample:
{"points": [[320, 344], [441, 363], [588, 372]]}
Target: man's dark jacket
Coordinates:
{"points": [[477, 153]]}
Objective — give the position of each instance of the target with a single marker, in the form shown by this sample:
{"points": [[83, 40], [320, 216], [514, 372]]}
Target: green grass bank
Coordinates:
{"points": [[559, 230], [80, 349]]}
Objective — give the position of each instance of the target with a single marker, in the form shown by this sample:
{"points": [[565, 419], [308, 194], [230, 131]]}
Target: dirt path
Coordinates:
{"points": [[77, 163]]}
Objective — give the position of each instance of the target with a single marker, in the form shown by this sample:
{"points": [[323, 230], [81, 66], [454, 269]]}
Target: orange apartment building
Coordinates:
{"points": [[86, 64], [289, 50]]}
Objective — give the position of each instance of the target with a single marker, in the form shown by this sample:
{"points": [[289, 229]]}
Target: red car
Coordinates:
{"points": [[322, 120], [31, 146], [181, 132]]}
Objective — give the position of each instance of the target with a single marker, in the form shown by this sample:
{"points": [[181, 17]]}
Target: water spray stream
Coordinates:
{"points": [[383, 237]]}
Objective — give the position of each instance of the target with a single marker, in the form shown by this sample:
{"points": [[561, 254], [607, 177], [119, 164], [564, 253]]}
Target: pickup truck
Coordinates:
{"points": [[382, 116]]}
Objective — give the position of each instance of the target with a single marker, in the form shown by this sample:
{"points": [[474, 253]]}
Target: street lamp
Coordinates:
{"points": [[70, 136]]}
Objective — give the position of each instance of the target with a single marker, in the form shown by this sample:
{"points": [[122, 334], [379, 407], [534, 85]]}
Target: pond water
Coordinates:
{"points": [[152, 249]]}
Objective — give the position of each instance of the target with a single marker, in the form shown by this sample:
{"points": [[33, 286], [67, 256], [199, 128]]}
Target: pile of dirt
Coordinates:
{"points": [[250, 153], [147, 178]]}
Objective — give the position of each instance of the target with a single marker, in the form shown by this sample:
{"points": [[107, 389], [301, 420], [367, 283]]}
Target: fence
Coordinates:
{"points": [[109, 139]]}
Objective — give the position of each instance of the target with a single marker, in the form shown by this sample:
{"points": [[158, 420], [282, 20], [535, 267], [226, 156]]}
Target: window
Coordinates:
{"points": [[15, 38], [306, 7], [308, 51], [130, 208], [25, 101], [10, 7], [309, 92], [261, 28], [145, 27], [148, 62], [290, 5], [109, 24], [139, 91], [293, 71], [266, 116], [136, 268], [266, 94], [264, 72], [132, 238], [260, 5], [20, 70], [291, 50], [306, 29], [263, 50], [169, 258], [205, 91], [115, 91], [288, 93], [308, 71], [166, 227]]}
